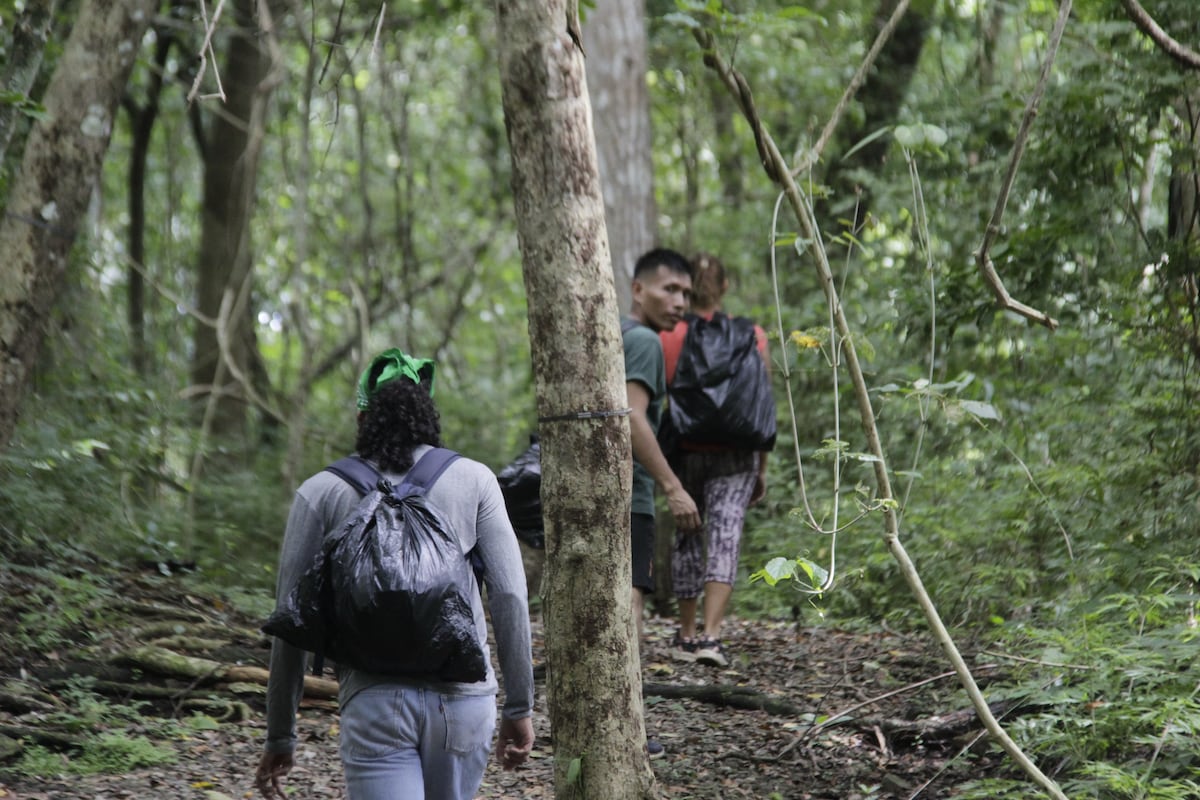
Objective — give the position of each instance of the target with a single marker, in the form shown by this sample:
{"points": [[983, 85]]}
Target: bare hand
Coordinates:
{"points": [[514, 742], [684, 510], [268, 779], [760, 488]]}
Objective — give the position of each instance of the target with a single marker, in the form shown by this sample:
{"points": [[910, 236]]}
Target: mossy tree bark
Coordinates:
{"points": [[50, 193], [593, 676]]}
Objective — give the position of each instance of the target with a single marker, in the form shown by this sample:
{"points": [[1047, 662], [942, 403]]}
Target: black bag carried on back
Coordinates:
{"points": [[721, 391], [521, 484], [390, 592]]}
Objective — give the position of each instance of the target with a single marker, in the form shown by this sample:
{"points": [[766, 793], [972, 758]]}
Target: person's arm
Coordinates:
{"points": [[504, 575], [301, 541], [285, 684], [647, 453], [760, 481]]}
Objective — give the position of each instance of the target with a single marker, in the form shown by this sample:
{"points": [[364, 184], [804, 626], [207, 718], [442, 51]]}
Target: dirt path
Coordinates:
{"points": [[712, 750]]}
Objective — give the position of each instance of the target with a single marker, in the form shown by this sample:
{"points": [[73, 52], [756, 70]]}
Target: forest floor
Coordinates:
{"points": [[894, 723]]}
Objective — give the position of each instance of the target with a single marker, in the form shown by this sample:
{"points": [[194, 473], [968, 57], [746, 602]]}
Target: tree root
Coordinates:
{"points": [[204, 672]]}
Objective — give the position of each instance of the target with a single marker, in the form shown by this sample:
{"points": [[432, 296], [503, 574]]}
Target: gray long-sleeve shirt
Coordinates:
{"points": [[468, 495]]}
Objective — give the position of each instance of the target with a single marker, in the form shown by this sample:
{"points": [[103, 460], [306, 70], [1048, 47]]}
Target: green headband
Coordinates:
{"points": [[390, 365]]}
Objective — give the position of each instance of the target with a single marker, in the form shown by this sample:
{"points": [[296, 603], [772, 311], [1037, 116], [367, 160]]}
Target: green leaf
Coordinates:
{"points": [[817, 575], [981, 410], [777, 569], [921, 136], [866, 140], [934, 136], [573, 770], [683, 20], [907, 136]]}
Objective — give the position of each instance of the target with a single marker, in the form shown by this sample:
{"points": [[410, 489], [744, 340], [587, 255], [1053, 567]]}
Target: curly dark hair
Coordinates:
{"points": [[399, 416]]}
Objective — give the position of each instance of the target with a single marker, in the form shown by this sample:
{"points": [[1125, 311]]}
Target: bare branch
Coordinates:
{"points": [[983, 256], [206, 50], [1146, 24], [852, 88]]}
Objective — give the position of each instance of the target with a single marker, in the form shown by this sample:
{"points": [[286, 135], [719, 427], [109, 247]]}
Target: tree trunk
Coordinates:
{"points": [[50, 194], [1183, 223], [142, 119], [232, 150], [614, 38], [593, 676]]}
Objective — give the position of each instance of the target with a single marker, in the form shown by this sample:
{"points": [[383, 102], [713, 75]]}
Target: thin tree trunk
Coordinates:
{"points": [[50, 194], [143, 119], [593, 676], [614, 38], [225, 265]]}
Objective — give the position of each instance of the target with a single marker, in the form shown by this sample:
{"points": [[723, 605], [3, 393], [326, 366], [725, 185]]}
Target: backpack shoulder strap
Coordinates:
{"points": [[356, 471], [428, 469]]}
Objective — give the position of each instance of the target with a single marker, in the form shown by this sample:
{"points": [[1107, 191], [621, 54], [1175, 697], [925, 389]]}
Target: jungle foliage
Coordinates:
{"points": [[1048, 479]]}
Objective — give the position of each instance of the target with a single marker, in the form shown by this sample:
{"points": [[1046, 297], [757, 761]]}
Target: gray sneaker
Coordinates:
{"points": [[683, 649], [710, 652]]}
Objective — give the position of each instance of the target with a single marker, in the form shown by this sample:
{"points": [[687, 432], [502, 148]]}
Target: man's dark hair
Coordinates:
{"points": [[662, 257], [399, 416]]}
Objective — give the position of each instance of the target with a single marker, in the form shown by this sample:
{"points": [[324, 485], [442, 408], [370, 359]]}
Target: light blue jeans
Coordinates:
{"points": [[401, 743]]}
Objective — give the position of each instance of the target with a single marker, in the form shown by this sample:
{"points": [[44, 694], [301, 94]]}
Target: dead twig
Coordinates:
{"points": [[852, 88], [833, 718], [206, 50], [983, 257]]}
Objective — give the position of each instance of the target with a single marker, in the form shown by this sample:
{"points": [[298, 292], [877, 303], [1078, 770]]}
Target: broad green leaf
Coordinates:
{"points": [[933, 135], [907, 136], [573, 770], [981, 410], [777, 569]]}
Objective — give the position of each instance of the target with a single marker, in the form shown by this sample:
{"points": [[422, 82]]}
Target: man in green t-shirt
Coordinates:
{"points": [[662, 285]]}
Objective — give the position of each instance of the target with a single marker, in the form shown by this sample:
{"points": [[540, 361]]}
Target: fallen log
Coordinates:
{"points": [[936, 728], [725, 695], [52, 739], [21, 699], [203, 671]]}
